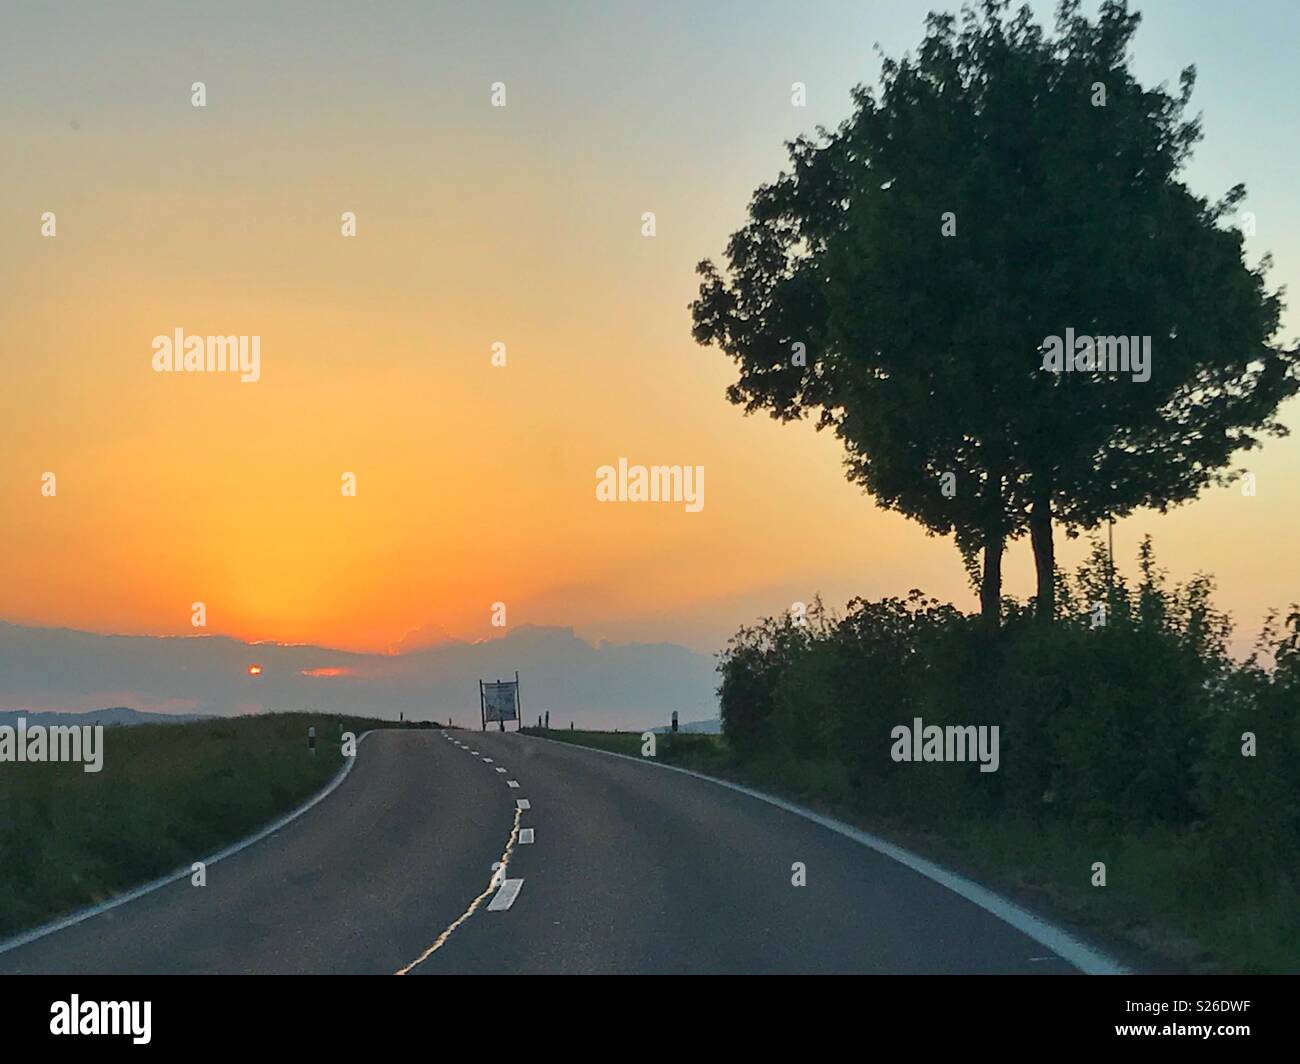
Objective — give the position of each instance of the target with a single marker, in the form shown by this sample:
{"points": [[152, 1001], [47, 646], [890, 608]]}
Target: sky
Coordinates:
{"points": [[477, 225]]}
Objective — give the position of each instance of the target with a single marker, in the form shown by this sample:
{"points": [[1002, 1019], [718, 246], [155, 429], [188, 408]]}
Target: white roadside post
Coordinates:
{"points": [[311, 740]]}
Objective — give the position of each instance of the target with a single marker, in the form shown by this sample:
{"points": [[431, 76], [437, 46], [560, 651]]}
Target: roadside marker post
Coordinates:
{"points": [[311, 740]]}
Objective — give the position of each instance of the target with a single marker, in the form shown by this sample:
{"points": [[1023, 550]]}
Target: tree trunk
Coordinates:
{"points": [[1040, 534], [991, 582]]}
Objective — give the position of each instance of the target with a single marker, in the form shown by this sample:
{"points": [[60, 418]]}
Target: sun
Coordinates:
{"points": [[255, 670]]}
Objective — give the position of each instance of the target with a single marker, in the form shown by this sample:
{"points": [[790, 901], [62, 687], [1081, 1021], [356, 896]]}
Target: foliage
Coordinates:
{"points": [[983, 198]]}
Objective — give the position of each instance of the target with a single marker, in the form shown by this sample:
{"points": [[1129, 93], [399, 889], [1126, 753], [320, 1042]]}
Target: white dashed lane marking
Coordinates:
{"points": [[507, 890], [492, 885], [506, 896]]}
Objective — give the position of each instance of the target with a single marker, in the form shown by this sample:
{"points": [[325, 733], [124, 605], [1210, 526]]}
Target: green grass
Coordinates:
{"points": [[168, 795], [688, 750], [1169, 894]]}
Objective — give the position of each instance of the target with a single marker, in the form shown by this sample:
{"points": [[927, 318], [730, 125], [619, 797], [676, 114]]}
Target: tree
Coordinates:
{"points": [[1002, 188]]}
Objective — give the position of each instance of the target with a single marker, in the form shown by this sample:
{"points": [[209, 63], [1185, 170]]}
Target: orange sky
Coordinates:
{"points": [[475, 483]]}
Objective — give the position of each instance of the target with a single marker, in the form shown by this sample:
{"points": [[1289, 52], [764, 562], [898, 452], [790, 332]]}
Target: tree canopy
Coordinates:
{"points": [[1002, 186]]}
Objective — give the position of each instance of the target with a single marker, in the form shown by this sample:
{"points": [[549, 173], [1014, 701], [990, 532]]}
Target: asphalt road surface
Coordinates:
{"points": [[630, 869]]}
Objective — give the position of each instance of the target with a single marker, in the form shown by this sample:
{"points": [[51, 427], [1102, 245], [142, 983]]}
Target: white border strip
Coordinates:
{"points": [[1065, 945], [181, 873]]}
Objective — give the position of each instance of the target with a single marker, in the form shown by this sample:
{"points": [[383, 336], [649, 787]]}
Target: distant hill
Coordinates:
{"points": [[116, 715], [595, 685]]}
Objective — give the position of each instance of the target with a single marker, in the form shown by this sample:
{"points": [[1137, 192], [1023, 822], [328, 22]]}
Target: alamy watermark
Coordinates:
{"points": [[1098, 354], [638, 483], [953, 742], [179, 353], [84, 743], [102, 1017]]}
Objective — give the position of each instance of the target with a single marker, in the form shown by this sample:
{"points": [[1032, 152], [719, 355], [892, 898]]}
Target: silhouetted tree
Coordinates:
{"points": [[1004, 186]]}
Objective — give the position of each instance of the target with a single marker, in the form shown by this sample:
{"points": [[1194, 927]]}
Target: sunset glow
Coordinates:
{"points": [[475, 483]]}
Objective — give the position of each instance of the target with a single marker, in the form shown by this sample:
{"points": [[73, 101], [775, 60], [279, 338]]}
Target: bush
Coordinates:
{"points": [[1127, 711]]}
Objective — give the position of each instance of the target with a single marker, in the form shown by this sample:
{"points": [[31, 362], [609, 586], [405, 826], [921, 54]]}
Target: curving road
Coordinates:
{"points": [[631, 869]]}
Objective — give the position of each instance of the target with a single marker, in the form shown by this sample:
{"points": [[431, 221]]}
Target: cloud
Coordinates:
{"points": [[608, 685], [422, 637]]}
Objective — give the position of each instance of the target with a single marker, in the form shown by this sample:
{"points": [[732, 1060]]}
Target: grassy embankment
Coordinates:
{"points": [[1159, 899], [168, 795]]}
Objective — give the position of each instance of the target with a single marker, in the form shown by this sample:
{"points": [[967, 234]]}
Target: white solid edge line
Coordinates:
{"points": [[181, 873], [1088, 960], [505, 897]]}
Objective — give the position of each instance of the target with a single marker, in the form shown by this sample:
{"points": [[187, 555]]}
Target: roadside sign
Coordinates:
{"points": [[499, 701]]}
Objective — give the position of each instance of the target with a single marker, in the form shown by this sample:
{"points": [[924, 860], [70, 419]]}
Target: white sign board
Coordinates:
{"points": [[501, 701]]}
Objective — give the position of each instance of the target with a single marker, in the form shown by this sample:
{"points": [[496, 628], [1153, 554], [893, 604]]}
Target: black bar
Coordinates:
{"points": [[913, 1015]]}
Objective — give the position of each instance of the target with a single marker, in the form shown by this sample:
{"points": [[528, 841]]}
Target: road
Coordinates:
{"points": [[631, 869]]}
